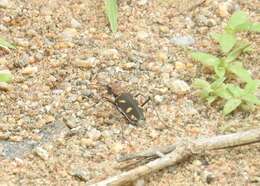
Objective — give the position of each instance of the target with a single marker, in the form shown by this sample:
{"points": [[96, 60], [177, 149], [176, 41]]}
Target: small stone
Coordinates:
{"points": [[179, 87], [182, 40], [3, 28], [74, 23], [139, 182], [42, 153], [142, 2], [87, 142], [22, 42], [83, 175], [88, 63], [164, 29], [5, 135], [162, 56], [94, 134], [15, 138], [68, 34], [3, 61], [208, 177], [117, 147], [71, 122], [223, 10], [5, 86], [130, 65], [142, 35], [197, 163], [49, 119], [154, 134], [29, 70], [5, 4], [158, 99], [112, 53], [179, 66]]}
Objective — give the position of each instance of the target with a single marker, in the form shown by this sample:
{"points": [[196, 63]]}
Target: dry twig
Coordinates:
{"points": [[182, 151]]}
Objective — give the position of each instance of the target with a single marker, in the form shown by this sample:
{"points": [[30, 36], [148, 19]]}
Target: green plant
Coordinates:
{"points": [[5, 44], [5, 76], [111, 10], [231, 48]]}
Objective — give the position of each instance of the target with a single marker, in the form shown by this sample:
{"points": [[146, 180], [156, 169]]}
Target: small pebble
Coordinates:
{"points": [[22, 42], [86, 63], [15, 138], [74, 23], [87, 142], [5, 86], [142, 2], [208, 177], [182, 40], [158, 99], [83, 175], [142, 35], [94, 134], [139, 182], [29, 70], [111, 53], [179, 86], [5, 135], [68, 34], [42, 153], [117, 147], [5, 3]]}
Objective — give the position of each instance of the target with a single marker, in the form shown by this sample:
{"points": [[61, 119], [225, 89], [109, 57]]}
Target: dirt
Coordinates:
{"points": [[55, 128]]}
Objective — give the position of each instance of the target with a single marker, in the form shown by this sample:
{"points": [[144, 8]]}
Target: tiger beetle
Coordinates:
{"points": [[127, 105]]}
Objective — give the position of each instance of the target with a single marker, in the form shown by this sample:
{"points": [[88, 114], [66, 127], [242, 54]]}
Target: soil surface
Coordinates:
{"points": [[55, 128]]}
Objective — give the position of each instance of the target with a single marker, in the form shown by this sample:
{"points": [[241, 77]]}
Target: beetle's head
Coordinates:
{"points": [[115, 88]]}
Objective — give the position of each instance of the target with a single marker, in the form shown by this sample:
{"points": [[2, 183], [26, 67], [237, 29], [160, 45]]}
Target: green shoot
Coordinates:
{"points": [[111, 10]]}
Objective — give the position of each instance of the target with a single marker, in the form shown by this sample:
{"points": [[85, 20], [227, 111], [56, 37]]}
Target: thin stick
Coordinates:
{"points": [[147, 153], [182, 151]]}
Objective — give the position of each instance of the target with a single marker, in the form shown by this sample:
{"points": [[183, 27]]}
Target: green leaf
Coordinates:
{"points": [[5, 44], [227, 42], [204, 93], [237, 19], [200, 83], [251, 87], [251, 99], [247, 106], [216, 36], [223, 92], [235, 90], [238, 69], [217, 83], [5, 76], [111, 10], [204, 86], [220, 71], [231, 105], [211, 99], [205, 59], [255, 27], [242, 46]]}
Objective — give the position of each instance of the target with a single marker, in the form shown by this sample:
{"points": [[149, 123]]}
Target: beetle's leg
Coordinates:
{"points": [[109, 100], [146, 101], [138, 94]]}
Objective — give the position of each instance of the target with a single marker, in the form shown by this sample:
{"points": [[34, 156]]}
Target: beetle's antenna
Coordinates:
{"points": [[158, 116], [110, 91], [146, 101]]}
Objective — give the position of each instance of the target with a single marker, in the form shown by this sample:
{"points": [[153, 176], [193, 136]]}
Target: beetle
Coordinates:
{"points": [[127, 105]]}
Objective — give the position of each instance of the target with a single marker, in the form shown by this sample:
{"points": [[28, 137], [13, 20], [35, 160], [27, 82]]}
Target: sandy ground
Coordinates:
{"points": [[56, 130]]}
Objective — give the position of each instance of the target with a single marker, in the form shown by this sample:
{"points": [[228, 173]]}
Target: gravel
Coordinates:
{"points": [[55, 128]]}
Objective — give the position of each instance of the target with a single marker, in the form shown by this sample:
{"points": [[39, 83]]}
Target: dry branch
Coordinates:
{"points": [[182, 151]]}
